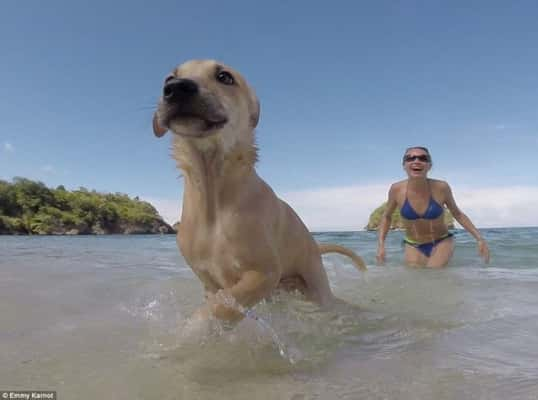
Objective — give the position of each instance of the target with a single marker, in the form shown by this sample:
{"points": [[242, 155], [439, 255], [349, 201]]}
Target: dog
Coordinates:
{"points": [[239, 238]]}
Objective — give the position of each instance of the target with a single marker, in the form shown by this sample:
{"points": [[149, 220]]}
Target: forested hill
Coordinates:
{"points": [[29, 207]]}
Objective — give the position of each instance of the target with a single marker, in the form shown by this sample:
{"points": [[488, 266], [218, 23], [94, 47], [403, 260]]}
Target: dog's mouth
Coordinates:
{"points": [[216, 122], [188, 123]]}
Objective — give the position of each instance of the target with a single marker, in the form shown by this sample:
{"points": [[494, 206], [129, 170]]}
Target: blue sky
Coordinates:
{"points": [[345, 87]]}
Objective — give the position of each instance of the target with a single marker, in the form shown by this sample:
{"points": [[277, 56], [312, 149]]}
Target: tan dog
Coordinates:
{"points": [[239, 238]]}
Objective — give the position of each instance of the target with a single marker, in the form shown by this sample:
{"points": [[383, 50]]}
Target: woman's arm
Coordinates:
{"points": [[464, 221], [384, 225]]}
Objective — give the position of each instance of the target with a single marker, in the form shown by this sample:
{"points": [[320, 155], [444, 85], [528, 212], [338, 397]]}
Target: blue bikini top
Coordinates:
{"points": [[434, 210]]}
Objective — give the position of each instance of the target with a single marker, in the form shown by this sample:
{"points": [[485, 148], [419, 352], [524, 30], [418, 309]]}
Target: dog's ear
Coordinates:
{"points": [[254, 109], [158, 130]]}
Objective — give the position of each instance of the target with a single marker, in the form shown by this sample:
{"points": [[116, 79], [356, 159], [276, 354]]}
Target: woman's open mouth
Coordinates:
{"points": [[417, 169]]}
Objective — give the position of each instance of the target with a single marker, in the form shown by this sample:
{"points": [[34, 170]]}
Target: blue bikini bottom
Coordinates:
{"points": [[426, 248]]}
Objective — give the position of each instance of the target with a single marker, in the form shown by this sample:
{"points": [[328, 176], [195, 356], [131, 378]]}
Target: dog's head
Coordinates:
{"points": [[204, 98]]}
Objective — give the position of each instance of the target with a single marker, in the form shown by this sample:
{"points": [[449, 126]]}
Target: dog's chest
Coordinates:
{"points": [[217, 273], [211, 260]]}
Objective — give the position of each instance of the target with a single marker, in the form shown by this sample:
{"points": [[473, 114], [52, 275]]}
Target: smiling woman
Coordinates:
{"points": [[422, 202]]}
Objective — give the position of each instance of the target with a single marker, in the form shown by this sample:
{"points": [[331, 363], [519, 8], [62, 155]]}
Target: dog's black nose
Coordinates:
{"points": [[177, 90]]}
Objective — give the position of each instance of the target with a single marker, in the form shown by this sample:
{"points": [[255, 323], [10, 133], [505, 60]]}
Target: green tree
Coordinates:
{"points": [[30, 207]]}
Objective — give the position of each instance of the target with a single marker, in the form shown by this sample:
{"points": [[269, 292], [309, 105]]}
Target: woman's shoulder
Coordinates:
{"points": [[396, 189], [397, 186], [438, 184]]}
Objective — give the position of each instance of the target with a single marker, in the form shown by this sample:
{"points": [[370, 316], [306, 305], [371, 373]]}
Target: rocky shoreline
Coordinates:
{"points": [[156, 227], [31, 208]]}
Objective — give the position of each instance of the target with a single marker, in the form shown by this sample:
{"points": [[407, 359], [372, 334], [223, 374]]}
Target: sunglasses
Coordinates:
{"points": [[422, 157]]}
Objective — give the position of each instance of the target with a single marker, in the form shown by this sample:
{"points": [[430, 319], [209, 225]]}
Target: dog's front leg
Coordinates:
{"points": [[201, 322], [230, 304]]}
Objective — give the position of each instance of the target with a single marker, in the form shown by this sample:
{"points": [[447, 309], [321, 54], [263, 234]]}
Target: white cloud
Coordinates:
{"points": [[345, 208], [349, 207], [48, 169], [499, 206], [8, 147], [338, 208], [169, 209]]}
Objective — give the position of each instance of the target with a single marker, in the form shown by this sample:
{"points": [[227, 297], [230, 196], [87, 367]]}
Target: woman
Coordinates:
{"points": [[421, 202]]}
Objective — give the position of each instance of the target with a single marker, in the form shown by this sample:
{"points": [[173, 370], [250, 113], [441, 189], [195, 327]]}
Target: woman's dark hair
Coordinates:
{"points": [[417, 147]]}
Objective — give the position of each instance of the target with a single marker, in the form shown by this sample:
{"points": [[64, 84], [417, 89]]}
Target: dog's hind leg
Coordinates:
{"points": [[317, 282]]}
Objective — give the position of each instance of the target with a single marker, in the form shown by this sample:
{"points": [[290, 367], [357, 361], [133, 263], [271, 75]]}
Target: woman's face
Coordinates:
{"points": [[417, 163]]}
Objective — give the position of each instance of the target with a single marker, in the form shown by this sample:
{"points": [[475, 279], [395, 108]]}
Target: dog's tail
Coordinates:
{"points": [[334, 248]]}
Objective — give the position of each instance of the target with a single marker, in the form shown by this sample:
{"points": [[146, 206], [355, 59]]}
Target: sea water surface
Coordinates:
{"points": [[103, 317]]}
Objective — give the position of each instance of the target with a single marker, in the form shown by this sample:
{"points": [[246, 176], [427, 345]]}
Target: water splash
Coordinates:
{"points": [[290, 355], [263, 325]]}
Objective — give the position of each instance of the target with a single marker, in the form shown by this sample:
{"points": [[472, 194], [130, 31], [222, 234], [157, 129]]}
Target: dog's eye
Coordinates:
{"points": [[225, 77]]}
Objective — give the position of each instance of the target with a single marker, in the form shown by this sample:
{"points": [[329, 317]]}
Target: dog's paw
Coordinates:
{"points": [[199, 325]]}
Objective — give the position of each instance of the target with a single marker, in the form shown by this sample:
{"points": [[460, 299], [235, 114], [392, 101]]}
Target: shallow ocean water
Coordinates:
{"points": [[104, 317]]}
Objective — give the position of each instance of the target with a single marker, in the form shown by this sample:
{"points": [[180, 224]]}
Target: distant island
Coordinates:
{"points": [[396, 222], [28, 207]]}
